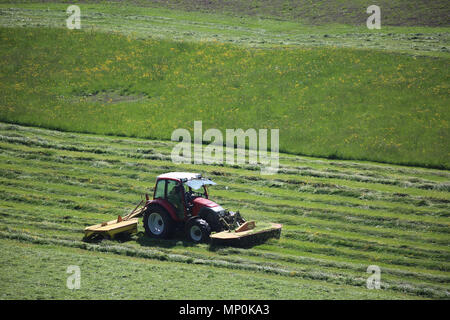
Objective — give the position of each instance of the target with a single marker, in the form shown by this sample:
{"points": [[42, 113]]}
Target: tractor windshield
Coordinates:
{"points": [[198, 183], [197, 188]]}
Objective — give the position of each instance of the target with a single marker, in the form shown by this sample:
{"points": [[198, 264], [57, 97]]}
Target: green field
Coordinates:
{"points": [[338, 218], [339, 103], [151, 22], [337, 90], [351, 12], [86, 118]]}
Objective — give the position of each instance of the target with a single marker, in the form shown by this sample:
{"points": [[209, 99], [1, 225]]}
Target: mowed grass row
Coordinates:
{"points": [[366, 104], [51, 190], [352, 12], [146, 22], [434, 199]]}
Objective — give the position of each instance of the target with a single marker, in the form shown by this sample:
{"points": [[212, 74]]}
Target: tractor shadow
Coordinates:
{"points": [[177, 239], [147, 241]]}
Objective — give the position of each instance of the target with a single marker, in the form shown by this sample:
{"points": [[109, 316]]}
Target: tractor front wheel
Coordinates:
{"points": [[158, 223], [198, 230]]}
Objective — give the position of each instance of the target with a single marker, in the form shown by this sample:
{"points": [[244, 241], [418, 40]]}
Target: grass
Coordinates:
{"points": [[143, 22], [56, 183], [353, 12], [104, 276], [330, 102], [139, 70]]}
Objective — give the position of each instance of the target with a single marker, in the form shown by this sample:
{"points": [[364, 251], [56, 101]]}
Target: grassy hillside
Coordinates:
{"points": [[340, 103], [180, 25], [397, 12], [394, 12], [338, 217]]}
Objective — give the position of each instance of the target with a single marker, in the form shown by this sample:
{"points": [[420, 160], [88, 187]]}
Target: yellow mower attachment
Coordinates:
{"points": [[109, 230], [247, 235]]}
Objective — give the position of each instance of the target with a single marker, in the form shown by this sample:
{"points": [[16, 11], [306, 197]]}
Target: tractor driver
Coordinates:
{"points": [[189, 195], [174, 197]]}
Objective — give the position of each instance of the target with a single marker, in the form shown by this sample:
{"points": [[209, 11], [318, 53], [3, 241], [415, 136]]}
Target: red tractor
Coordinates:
{"points": [[180, 200]]}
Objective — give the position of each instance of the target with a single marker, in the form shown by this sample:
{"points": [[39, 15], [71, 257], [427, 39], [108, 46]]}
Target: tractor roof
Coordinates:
{"points": [[193, 180], [180, 175]]}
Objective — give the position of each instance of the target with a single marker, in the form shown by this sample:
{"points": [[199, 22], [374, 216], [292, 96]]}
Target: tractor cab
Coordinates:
{"points": [[184, 192]]}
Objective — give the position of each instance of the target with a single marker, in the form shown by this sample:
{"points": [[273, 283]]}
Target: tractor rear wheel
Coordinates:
{"points": [[158, 223], [198, 230]]}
